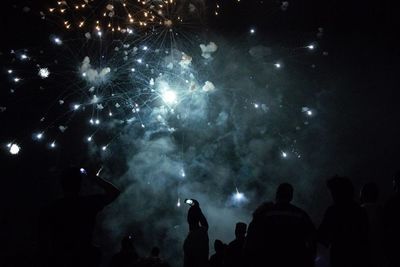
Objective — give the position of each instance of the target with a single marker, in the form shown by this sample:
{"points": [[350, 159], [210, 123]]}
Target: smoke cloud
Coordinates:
{"points": [[245, 132], [93, 75]]}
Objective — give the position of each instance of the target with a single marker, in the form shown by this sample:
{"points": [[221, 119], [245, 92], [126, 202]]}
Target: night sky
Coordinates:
{"points": [[350, 82]]}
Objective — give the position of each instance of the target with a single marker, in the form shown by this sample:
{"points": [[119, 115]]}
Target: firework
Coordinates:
{"points": [[13, 148], [144, 85], [126, 16], [43, 73]]}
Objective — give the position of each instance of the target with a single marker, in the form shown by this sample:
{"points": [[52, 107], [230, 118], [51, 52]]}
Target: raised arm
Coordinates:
{"points": [[203, 220]]}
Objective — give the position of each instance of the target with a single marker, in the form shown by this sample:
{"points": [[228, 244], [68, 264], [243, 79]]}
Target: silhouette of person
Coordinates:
{"points": [[196, 247], [154, 260], [369, 201], [392, 224], [344, 227], [127, 256], [280, 234], [67, 225], [234, 253], [217, 259]]}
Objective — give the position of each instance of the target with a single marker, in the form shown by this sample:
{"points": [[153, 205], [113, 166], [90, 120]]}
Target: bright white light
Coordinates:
{"points": [[169, 97], [284, 154], [23, 56], [17, 79], [104, 148], [239, 196], [145, 48], [91, 121], [178, 204], [309, 113], [10, 71], [14, 149], [311, 47], [44, 73], [99, 33], [57, 40], [89, 139], [278, 65], [139, 60], [99, 171], [39, 136], [133, 70], [53, 145], [97, 121], [84, 74], [110, 114], [183, 174], [252, 31], [256, 106], [76, 106]]}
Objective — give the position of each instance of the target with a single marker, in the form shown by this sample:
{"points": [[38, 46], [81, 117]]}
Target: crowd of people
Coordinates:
{"points": [[356, 232]]}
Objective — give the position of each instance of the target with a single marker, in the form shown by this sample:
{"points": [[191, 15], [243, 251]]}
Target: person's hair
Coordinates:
{"points": [[284, 193], [369, 193], [341, 188], [240, 229], [71, 180]]}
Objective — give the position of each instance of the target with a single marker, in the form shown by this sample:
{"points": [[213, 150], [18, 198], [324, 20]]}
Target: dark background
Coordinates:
{"points": [[361, 69]]}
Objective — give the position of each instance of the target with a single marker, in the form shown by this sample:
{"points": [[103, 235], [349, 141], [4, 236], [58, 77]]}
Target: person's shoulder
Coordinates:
{"points": [[299, 211], [263, 208], [296, 208], [233, 243]]}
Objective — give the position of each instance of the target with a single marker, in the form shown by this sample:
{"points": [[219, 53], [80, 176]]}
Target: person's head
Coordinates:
{"points": [[369, 193], [341, 189], [71, 180], [127, 243], [284, 193], [396, 182], [219, 246], [155, 252], [240, 230]]}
